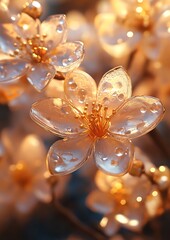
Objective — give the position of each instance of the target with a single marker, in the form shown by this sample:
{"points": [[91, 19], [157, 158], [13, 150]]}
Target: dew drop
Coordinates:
{"points": [[106, 87], [154, 108], [114, 163], [65, 109], [121, 97], [106, 101], [128, 132], [72, 84], [68, 157], [140, 126], [118, 84], [2, 72], [119, 151], [82, 95], [65, 62], [143, 109], [59, 28], [104, 158]]}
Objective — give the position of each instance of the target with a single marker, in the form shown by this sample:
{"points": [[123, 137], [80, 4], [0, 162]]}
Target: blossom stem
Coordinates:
{"points": [[130, 59], [65, 212]]}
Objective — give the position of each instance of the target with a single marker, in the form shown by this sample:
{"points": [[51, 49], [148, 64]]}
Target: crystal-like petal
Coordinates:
{"points": [[57, 116], [66, 156], [137, 116], [80, 88], [12, 69], [54, 28], [42, 189], [40, 74], [162, 24], [67, 56], [32, 148], [110, 225], [100, 202], [114, 88], [116, 39], [114, 156], [7, 38], [25, 201], [26, 26], [55, 89]]}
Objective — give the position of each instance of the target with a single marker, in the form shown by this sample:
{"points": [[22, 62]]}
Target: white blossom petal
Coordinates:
{"points": [[80, 88], [55, 29], [12, 69], [57, 116], [137, 116], [67, 56], [113, 155], [114, 88], [40, 74], [66, 156]]}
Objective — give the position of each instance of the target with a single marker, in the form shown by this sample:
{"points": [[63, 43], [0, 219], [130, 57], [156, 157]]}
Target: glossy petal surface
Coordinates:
{"points": [[114, 88], [54, 27], [162, 24], [113, 156], [80, 88], [100, 202], [67, 56], [7, 38], [57, 116], [116, 39], [12, 69], [137, 116], [40, 74], [66, 156], [27, 27]]}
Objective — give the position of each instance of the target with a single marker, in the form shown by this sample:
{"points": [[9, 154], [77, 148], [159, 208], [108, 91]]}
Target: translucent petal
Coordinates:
{"points": [[114, 88], [25, 201], [55, 29], [7, 38], [67, 56], [26, 26], [151, 45], [114, 156], [12, 69], [66, 156], [32, 152], [162, 25], [137, 116], [110, 225], [40, 74], [55, 89], [80, 88], [42, 190], [116, 39], [100, 202], [57, 116]]}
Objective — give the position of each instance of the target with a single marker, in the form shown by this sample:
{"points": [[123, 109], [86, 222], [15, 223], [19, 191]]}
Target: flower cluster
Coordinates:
{"points": [[98, 123], [37, 50], [140, 24]]}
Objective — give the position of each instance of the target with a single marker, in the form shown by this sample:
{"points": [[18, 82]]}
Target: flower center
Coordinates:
{"points": [[97, 122], [20, 174], [33, 48], [139, 18]]}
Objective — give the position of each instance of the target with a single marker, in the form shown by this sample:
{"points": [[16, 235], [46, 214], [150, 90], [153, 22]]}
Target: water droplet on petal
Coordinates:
{"points": [[118, 84], [65, 109], [59, 28], [65, 62], [68, 157], [143, 109], [140, 126], [106, 100], [155, 108], [104, 158], [114, 163], [121, 97], [106, 87], [72, 84], [119, 151], [82, 95]]}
